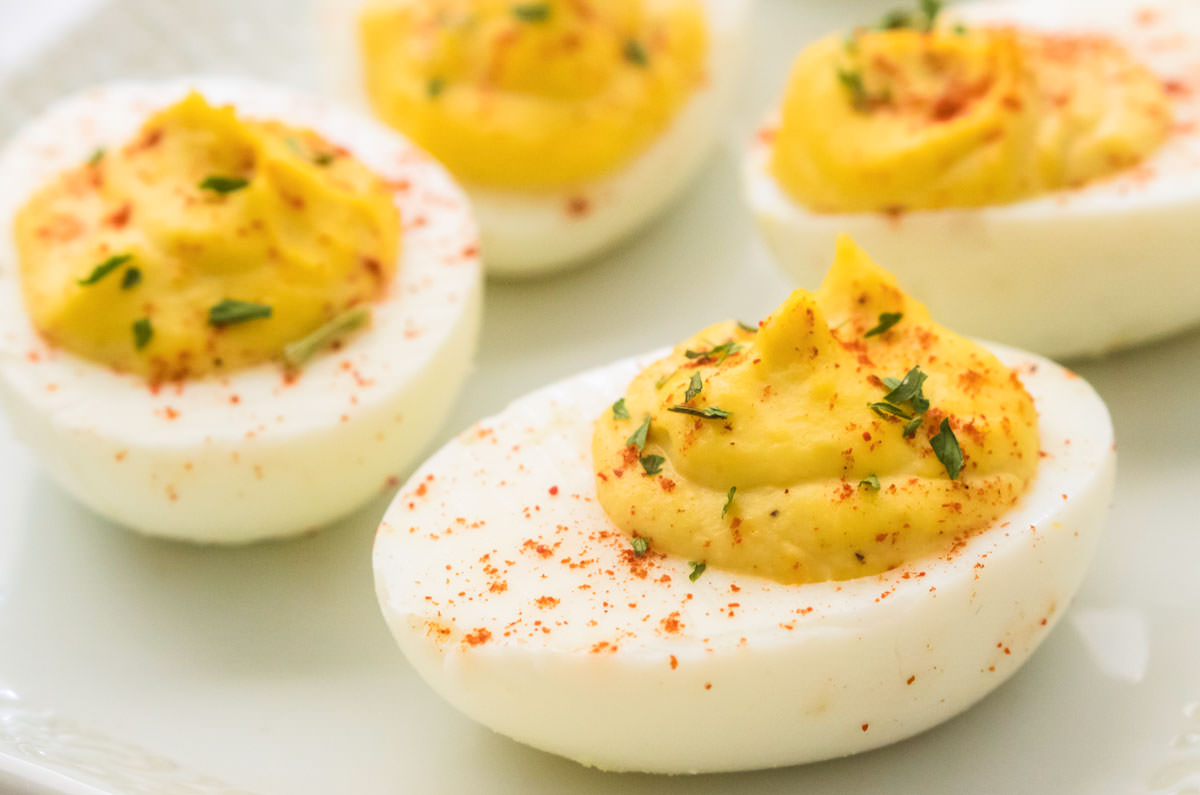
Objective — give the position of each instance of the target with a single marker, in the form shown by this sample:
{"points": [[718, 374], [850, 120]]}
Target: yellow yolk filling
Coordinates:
{"points": [[124, 258], [532, 95], [803, 472], [905, 119]]}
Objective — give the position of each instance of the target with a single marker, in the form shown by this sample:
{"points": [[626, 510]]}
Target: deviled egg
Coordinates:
{"points": [[570, 124], [228, 312], [1029, 170], [771, 545]]}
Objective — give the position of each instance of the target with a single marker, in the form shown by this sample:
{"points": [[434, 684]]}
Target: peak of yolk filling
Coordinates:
{"points": [[311, 233], [801, 445], [532, 95], [908, 120]]}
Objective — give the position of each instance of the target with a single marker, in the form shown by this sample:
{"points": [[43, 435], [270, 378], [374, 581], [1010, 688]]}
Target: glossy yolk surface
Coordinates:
{"points": [[532, 95], [124, 258], [811, 464], [963, 117]]}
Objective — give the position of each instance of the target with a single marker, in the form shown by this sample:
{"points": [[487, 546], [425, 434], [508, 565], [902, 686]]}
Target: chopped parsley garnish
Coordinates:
{"points": [[710, 413], [911, 427], [959, 29], [888, 410], [638, 439], [104, 268], [886, 321], [223, 185], [909, 391], [895, 19], [931, 9], [720, 352], [921, 20], [694, 388], [635, 53], [945, 447], [619, 411], [532, 12], [640, 546], [229, 312], [728, 501], [698, 567], [870, 482], [890, 382], [435, 87], [853, 83], [747, 327], [131, 279], [318, 158], [142, 332], [652, 464], [297, 353], [97, 156]]}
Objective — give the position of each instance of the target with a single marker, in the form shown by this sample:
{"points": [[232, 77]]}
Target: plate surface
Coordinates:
{"points": [[133, 665]]}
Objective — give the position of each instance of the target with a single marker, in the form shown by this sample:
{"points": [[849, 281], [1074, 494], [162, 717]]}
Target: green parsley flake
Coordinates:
{"points": [[297, 354], [694, 388], [652, 464], [229, 312], [635, 53], [142, 332], [720, 352], [888, 410], [945, 447], [619, 411], [532, 12], [913, 425], [435, 87], [710, 413], [870, 482], [852, 81], [131, 279], [640, 546], [97, 156], [698, 567], [638, 439], [223, 185], [104, 268], [747, 327], [909, 390], [886, 321], [728, 501]]}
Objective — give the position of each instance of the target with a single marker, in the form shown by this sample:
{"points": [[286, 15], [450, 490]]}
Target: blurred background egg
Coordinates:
{"points": [[570, 125], [1074, 271]]}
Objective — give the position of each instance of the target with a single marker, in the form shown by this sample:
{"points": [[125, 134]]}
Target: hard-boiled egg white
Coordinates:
{"points": [[255, 454], [1076, 272], [517, 599], [526, 233]]}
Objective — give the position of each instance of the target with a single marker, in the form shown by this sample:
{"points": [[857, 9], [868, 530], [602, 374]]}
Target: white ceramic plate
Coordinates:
{"points": [[131, 665]]}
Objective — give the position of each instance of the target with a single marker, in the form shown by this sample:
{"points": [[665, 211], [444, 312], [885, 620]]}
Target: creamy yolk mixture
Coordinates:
{"points": [[532, 95], [846, 434], [204, 244], [908, 119]]}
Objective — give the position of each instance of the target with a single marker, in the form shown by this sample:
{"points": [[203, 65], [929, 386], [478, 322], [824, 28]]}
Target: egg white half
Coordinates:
{"points": [[527, 233], [518, 601], [249, 455], [1072, 273]]}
